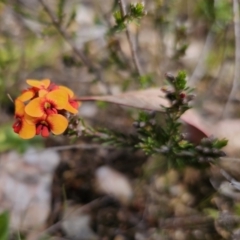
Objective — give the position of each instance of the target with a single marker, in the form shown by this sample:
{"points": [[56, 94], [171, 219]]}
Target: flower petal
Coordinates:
{"points": [[42, 93], [68, 90], [26, 95], [28, 130], [29, 119], [34, 108], [58, 123], [59, 97], [19, 108], [70, 108], [39, 84]]}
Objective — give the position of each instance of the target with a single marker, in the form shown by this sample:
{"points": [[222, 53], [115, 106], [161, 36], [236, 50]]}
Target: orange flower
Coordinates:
{"points": [[55, 123], [45, 108], [50, 103], [24, 124], [32, 92], [72, 105], [44, 86]]}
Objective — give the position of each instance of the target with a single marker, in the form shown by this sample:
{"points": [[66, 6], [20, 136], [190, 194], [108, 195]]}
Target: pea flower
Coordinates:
{"points": [[41, 109], [50, 103], [72, 104], [55, 123], [24, 124], [32, 92]]}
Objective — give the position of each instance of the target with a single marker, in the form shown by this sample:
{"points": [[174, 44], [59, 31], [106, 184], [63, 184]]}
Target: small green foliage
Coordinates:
{"points": [[180, 51], [71, 17], [60, 10], [209, 149], [146, 81], [9, 140], [162, 134], [120, 22], [206, 9], [102, 105], [75, 127], [237, 209], [137, 10], [134, 14], [180, 83], [112, 138], [217, 12], [4, 226], [211, 212], [118, 17], [220, 143]]}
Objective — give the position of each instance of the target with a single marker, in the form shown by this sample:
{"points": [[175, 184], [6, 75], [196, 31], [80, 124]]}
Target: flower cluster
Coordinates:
{"points": [[41, 109]]}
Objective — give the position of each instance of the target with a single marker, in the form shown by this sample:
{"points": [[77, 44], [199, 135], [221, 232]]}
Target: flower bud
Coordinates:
{"points": [[136, 124], [170, 77], [206, 150]]}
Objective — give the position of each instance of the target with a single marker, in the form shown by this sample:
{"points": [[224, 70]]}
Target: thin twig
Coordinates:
{"points": [[130, 40], [214, 82], [79, 146], [200, 69], [185, 222], [77, 51], [235, 85], [64, 35]]}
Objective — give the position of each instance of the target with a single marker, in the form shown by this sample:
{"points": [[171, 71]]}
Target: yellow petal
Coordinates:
{"points": [[68, 90], [26, 95], [34, 108], [39, 84], [70, 108], [59, 97], [27, 131], [29, 119], [58, 123], [42, 93], [19, 108]]}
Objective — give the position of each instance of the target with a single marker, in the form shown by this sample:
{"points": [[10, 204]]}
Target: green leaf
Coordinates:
{"points": [[118, 17], [181, 81], [211, 212], [137, 10], [220, 143], [60, 10], [4, 226], [146, 81], [71, 18], [10, 140]]}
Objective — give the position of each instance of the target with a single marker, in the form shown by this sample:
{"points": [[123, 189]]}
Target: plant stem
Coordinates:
{"points": [[130, 40], [76, 50]]}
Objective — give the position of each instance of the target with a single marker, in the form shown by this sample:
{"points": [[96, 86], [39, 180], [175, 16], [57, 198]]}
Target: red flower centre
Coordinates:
{"points": [[17, 125], [43, 129], [52, 87], [49, 108], [73, 103]]}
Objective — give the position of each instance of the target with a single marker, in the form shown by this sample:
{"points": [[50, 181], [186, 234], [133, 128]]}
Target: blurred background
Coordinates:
{"points": [[55, 188]]}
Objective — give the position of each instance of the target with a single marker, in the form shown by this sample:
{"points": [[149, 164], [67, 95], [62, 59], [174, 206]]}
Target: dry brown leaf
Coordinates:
{"points": [[149, 99], [153, 99], [195, 126]]}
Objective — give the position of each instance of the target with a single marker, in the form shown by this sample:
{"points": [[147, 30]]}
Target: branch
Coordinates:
{"points": [[77, 51], [130, 40], [200, 69], [185, 222], [235, 84]]}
